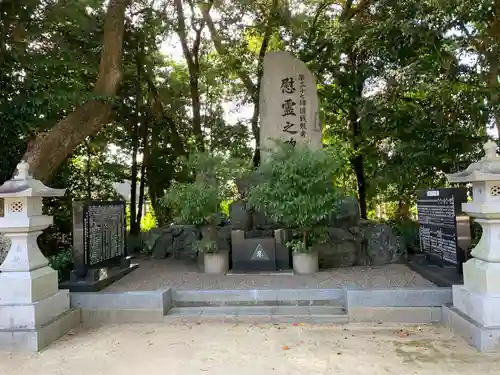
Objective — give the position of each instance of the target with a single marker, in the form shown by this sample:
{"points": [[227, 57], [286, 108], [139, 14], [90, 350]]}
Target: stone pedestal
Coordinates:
{"points": [[259, 254], [476, 304], [33, 311]]}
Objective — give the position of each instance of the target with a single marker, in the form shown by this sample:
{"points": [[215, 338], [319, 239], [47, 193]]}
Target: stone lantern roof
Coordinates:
{"points": [[24, 185], [486, 169]]}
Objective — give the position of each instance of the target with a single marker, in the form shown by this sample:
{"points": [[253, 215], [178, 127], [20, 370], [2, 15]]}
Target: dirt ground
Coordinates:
{"points": [[227, 349]]}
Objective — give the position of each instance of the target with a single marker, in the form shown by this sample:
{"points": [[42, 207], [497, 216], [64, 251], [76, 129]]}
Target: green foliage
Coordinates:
{"points": [[199, 202], [206, 245], [296, 186], [62, 262], [192, 203], [148, 222], [298, 246], [408, 230]]}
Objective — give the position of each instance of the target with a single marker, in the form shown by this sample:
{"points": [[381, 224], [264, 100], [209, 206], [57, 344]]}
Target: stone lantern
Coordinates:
{"points": [[33, 311], [476, 304]]}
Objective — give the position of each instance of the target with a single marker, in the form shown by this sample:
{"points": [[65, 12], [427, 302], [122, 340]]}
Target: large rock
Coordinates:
{"points": [[380, 244], [340, 250], [176, 240], [185, 238], [180, 241], [348, 214], [240, 219]]}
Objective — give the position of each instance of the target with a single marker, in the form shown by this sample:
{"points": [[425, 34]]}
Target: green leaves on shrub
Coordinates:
{"points": [[296, 186], [199, 202]]}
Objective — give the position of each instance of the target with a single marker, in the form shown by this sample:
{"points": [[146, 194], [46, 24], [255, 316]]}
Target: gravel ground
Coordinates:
{"points": [[171, 273], [227, 349]]}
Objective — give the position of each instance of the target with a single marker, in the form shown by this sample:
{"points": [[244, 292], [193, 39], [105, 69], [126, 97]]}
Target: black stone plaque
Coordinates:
{"points": [[104, 229], [99, 246], [444, 228], [252, 254]]}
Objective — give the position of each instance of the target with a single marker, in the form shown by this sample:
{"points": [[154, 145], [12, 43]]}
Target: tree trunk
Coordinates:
{"points": [[89, 170], [133, 179], [50, 149], [403, 209], [145, 160], [192, 60], [353, 121], [256, 95], [135, 222]]}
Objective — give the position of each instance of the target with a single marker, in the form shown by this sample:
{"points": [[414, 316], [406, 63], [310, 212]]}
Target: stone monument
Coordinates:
{"points": [[476, 304], [33, 311], [99, 246], [289, 107], [289, 111]]}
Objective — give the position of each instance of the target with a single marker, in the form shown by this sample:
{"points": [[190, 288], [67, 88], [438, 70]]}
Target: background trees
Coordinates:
{"points": [[98, 92]]}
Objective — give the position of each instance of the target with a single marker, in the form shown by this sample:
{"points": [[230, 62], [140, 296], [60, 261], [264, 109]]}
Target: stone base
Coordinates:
{"points": [[34, 315], [482, 308], [34, 340], [90, 284], [484, 339], [445, 276], [27, 287], [482, 277]]}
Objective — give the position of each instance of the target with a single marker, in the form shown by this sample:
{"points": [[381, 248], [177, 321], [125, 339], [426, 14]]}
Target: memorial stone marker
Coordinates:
{"points": [[99, 245], [289, 107], [289, 111], [444, 228]]}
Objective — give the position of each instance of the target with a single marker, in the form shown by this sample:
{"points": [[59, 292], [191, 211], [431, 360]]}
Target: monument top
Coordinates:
{"points": [[24, 185], [289, 106], [486, 169]]}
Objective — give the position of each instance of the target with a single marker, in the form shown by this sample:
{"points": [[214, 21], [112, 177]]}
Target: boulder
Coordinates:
{"points": [[185, 238], [176, 240], [240, 219], [348, 214], [340, 250], [380, 244], [224, 238]]}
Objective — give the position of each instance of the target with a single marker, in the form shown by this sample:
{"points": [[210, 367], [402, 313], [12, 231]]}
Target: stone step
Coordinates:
{"points": [[271, 297], [270, 314]]}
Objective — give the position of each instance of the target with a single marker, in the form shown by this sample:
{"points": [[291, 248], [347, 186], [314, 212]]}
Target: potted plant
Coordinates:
{"points": [[296, 189], [199, 203]]}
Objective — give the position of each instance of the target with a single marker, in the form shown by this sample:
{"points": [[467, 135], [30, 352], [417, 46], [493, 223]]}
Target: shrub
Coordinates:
{"points": [[296, 189], [201, 202]]}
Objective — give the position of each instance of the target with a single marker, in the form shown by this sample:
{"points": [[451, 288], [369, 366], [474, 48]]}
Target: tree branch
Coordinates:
{"points": [[46, 153], [181, 31], [234, 61]]}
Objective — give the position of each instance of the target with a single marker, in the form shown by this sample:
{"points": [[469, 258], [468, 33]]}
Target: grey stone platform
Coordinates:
{"points": [[109, 277], [411, 306], [445, 276], [483, 338], [34, 340]]}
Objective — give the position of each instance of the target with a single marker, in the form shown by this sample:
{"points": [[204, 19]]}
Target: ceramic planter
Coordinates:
{"points": [[305, 263], [216, 263]]}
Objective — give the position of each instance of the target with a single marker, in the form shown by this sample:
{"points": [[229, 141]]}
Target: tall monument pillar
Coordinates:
{"points": [[289, 107]]}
